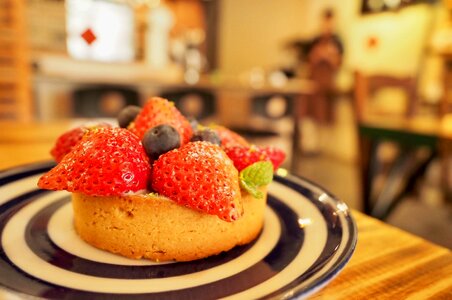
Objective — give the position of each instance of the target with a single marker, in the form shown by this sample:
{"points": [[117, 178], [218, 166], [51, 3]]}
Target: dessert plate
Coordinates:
{"points": [[307, 239]]}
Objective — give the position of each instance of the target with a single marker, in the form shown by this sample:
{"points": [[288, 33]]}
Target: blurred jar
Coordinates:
{"points": [[160, 22], [194, 60]]}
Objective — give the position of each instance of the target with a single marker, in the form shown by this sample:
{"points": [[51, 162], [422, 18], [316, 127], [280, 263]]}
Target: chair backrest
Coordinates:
{"points": [[366, 86]]}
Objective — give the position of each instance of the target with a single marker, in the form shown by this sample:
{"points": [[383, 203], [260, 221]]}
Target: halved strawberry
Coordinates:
{"points": [[228, 137], [107, 162], [159, 111], [199, 175], [243, 156]]}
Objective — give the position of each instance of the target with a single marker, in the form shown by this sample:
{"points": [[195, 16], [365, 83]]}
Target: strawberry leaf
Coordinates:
{"points": [[256, 175]]}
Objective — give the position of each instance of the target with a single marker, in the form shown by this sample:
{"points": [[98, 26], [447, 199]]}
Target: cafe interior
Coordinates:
{"points": [[356, 92]]}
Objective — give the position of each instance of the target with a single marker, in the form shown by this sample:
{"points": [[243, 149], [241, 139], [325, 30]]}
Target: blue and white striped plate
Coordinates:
{"points": [[308, 237]]}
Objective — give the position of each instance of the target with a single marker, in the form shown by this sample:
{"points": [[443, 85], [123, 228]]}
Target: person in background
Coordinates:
{"points": [[319, 59], [324, 58]]}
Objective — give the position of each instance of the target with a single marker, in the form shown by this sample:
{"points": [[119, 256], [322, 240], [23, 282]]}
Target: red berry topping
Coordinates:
{"points": [[66, 142], [106, 162], [69, 139], [246, 156], [159, 111], [228, 137], [199, 175], [276, 156]]}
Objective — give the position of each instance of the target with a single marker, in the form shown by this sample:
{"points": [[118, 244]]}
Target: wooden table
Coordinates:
{"points": [[410, 135], [388, 263], [23, 143]]}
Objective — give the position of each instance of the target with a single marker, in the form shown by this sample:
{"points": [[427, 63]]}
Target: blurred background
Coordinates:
{"points": [[357, 92]]}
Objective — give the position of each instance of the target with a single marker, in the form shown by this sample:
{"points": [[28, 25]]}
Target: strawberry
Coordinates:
{"points": [[246, 156], [106, 162], [69, 139], [228, 137], [276, 156], [66, 142], [199, 175], [159, 111]]}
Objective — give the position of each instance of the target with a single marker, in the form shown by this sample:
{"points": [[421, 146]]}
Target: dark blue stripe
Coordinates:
{"points": [[263, 270], [278, 258], [11, 276], [13, 174], [40, 243], [333, 242]]}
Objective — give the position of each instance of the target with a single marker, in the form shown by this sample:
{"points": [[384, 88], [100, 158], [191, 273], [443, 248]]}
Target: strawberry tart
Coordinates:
{"points": [[162, 187]]}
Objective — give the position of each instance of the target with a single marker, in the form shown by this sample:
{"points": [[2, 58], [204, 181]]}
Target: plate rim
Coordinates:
{"points": [[298, 291], [322, 281]]}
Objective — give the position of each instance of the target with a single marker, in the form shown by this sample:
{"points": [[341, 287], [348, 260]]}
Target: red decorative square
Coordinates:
{"points": [[89, 36], [372, 42]]}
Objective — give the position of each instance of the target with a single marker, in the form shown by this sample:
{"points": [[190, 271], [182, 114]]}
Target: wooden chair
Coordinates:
{"points": [[366, 86], [15, 91], [410, 163]]}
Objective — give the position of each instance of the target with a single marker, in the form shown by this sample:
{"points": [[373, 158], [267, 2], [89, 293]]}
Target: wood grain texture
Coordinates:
{"points": [[388, 263], [24, 143], [392, 264]]}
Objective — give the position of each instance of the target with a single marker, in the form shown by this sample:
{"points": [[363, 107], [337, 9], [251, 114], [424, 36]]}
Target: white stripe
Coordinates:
{"points": [[314, 242], [19, 187], [315, 238], [18, 252], [61, 231], [345, 237]]}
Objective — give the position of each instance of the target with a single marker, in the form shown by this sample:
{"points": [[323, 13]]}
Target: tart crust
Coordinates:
{"points": [[155, 227]]}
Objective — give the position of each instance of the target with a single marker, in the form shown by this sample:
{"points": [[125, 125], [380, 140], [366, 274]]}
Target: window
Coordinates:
{"points": [[100, 30]]}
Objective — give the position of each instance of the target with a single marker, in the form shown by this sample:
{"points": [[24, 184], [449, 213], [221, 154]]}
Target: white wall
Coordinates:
{"points": [[252, 33], [401, 40]]}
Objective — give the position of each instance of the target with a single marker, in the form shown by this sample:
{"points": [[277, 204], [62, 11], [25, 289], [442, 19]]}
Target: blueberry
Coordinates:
{"points": [[160, 139], [127, 115], [207, 135]]}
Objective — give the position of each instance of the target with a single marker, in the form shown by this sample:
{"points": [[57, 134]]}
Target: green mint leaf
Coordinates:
{"points": [[252, 189], [256, 175]]}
